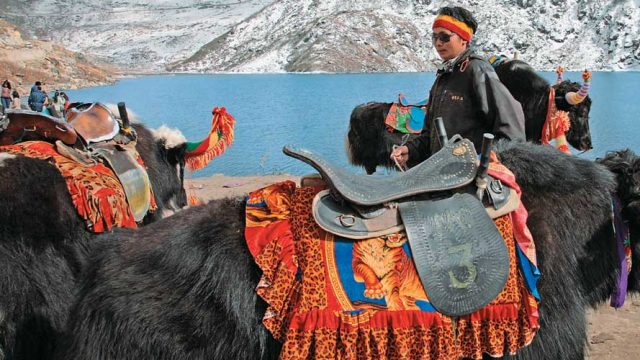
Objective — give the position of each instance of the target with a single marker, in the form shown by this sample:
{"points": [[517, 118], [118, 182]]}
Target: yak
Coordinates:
{"points": [[184, 287], [44, 242], [369, 143]]}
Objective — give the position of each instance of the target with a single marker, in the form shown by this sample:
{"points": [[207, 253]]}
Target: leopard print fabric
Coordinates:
{"points": [[308, 239]]}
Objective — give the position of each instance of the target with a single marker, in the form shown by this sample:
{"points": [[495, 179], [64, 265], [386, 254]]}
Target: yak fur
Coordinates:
{"points": [[184, 287], [43, 243]]}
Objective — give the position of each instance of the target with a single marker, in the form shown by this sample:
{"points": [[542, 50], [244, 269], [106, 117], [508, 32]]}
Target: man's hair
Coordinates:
{"points": [[460, 13], [38, 83]]}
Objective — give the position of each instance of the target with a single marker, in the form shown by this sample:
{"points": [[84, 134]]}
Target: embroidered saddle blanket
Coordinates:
{"points": [[96, 191], [338, 298], [405, 117]]}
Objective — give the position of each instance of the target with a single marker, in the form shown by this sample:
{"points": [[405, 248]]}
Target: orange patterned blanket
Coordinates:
{"points": [[95, 190], [336, 298]]}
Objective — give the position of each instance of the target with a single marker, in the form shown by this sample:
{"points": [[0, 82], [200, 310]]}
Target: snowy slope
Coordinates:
{"points": [[329, 35], [392, 35], [136, 35]]}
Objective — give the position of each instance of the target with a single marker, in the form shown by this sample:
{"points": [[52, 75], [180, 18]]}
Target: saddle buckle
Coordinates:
{"points": [[347, 220], [496, 186]]}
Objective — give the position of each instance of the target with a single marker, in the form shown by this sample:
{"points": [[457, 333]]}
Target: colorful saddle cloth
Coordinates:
{"points": [[333, 298], [405, 117], [95, 190]]}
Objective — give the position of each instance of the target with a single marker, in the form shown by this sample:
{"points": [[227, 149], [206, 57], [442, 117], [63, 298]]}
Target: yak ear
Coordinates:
{"points": [[173, 142], [176, 154], [562, 103]]}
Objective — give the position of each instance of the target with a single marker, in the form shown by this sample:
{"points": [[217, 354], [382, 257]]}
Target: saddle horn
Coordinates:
{"points": [[483, 168], [442, 132], [122, 109]]}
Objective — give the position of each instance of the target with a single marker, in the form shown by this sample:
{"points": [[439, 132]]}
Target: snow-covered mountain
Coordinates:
{"points": [[393, 35], [135, 35], [331, 35]]}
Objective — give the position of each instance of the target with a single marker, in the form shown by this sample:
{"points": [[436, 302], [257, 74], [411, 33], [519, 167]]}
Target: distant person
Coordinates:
{"points": [[6, 95], [66, 101], [37, 98], [34, 87], [47, 106], [15, 102], [56, 104]]}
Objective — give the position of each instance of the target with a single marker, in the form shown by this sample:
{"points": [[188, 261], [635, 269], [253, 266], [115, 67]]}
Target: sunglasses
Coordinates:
{"points": [[443, 37]]}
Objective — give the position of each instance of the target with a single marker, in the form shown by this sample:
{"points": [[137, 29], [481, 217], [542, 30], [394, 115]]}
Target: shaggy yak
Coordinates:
{"points": [[184, 287], [369, 143], [43, 240]]}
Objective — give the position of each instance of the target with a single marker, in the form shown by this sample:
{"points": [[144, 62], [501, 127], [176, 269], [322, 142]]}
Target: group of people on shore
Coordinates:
{"points": [[39, 100]]}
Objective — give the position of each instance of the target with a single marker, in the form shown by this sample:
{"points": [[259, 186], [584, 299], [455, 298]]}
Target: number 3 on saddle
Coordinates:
{"points": [[460, 256]]}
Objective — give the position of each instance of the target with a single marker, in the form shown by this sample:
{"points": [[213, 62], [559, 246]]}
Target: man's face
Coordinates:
{"points": [[447, 49]]}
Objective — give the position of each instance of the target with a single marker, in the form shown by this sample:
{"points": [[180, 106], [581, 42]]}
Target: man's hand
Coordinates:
{"points": [[400, 155]]}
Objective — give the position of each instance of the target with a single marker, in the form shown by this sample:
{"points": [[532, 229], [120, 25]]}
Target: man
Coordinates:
{"points": [[467, 93], [37, 97]]}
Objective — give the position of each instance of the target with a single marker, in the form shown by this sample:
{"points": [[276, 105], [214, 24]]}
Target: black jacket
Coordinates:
{"points": [[471, 100]]}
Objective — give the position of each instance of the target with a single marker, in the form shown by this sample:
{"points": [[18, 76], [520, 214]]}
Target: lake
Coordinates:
{"points": [[312, 110]]}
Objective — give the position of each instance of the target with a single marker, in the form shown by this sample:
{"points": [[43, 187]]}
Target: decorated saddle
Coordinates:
{"points": [[339, 289], [459, 253], [406, 117]]}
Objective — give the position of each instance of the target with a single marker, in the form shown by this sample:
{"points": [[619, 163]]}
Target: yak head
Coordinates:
{"points": [[579, 135], [625, 164], [166, 153]]}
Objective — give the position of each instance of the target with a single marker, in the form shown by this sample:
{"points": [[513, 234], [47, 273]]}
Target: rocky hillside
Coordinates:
{"points": [[393, 35], [24, 61]]}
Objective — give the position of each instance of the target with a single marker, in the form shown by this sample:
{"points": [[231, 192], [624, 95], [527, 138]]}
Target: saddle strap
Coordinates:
{"points": [[460, 256], [345, 220]]}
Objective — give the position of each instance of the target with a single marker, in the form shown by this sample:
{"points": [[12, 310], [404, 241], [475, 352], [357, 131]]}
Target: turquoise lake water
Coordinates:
{"points": [[312, 110]]}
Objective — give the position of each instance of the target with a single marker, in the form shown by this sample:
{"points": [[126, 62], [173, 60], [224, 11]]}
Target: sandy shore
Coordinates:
{"points": [[613, 334]]}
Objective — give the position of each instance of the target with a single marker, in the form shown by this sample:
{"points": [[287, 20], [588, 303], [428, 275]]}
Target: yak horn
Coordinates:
{"points": [[199, 154], [559, 72], [575, 98]]}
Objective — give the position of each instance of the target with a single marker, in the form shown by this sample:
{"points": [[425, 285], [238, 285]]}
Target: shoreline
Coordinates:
{"points": [[219, 186]]}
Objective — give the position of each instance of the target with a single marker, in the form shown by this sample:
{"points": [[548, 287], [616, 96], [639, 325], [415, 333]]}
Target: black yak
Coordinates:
{"points": [[369, 143], [43, 240], [184, 287]]}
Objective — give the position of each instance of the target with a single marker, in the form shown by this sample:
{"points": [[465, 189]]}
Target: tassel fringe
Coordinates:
{"points": [[199, 154]]}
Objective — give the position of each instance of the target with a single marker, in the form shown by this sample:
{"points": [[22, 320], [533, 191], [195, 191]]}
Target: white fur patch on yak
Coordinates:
{"points": [[133, 117], [5, 156], [172, 137]]}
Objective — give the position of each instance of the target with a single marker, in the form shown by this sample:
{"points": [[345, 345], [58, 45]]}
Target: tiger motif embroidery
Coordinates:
{"points": [[387, 272]]}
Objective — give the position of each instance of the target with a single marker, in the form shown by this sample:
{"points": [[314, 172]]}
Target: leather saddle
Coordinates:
{"points": [[25, 125], [459, 254], [92, 134], [93, 122]]}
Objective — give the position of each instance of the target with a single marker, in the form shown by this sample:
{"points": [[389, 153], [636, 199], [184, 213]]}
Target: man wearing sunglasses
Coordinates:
{"points": [[467, 93]]}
